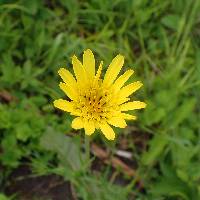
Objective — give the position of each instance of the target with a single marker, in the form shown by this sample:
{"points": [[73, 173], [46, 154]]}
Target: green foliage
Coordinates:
{"points": [[161, 42], [73, 167], [64, 146], [3, 197]]}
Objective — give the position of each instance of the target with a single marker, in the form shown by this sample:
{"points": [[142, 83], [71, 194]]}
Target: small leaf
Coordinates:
{"points": [[54, 48], [67, 149], [32, 6], [23, 132], [183, 112], [170, 185], [171, 21], [11, 152], [157, 145]]}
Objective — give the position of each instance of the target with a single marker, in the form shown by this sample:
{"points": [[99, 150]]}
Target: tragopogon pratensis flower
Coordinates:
{"points": [[98, 103]]}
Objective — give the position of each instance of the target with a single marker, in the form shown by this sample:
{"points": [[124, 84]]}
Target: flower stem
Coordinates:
{"points": [[87, 148]]}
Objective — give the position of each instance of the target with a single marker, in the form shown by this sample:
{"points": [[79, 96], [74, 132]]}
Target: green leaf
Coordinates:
{"points": [[68, 149], [194, 170], [171, 21], [23, 132], [170, 185], [182, 112], [153, 114], [11, 152], [156, 147], [32, 6], [5, 121], [182, 153], [54, 48]]}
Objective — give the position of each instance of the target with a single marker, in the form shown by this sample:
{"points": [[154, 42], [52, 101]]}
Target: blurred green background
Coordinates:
{"points": [[161, 43]]}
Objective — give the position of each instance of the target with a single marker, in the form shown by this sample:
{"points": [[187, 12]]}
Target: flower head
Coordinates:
{"points": [[98, 103]]}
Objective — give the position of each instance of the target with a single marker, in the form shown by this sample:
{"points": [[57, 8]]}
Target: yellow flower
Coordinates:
{"points": [[98, 103]]}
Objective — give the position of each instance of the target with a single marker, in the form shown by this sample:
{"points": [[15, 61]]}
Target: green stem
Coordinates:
{"points": [[87, 148]]}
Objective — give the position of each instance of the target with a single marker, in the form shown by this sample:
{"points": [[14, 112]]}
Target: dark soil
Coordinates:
{"points": [[51, 187]]}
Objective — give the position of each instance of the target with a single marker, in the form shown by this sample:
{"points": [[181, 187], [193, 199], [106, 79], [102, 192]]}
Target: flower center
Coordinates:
{"points": [[95, 103]]}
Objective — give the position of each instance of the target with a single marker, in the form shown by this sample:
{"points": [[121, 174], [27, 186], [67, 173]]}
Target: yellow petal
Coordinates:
{"points": [[107, 131], [67, 77], [79, 70], [89, 127], [122, 100], [99, 70], [127, 116], [89, 63], [117, 122], [63, 105], [132, 105], [129, 89], [122, 79], [113, 70], [68, 90], [77, 123]]}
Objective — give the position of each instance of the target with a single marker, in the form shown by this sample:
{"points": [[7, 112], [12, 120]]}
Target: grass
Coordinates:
{"points": [[161, 42]]}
